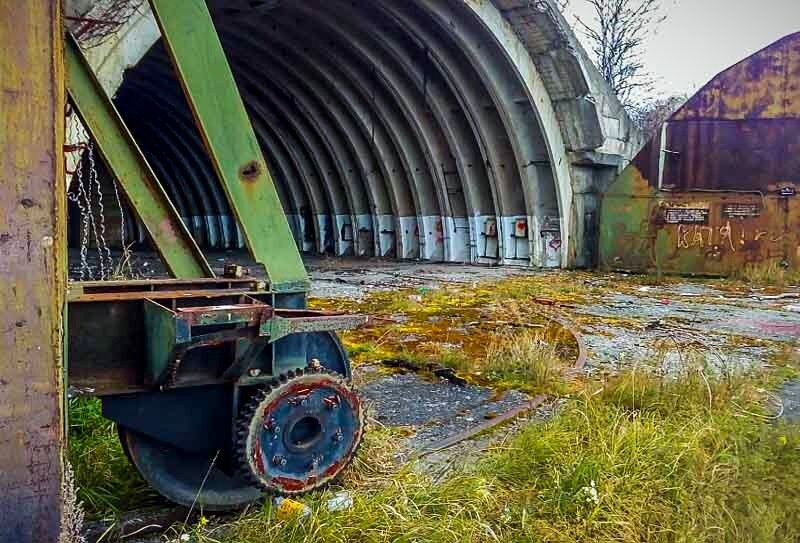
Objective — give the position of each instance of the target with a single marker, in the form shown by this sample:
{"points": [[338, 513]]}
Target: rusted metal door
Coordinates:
{"points": [[33, 269]]}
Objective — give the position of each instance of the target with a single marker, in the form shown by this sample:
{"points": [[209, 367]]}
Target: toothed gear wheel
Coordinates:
{"points": [[300, 432]]}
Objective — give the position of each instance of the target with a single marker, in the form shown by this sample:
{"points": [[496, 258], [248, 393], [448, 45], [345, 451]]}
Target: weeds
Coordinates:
{"points": [[72, 515], [525, 360], [770, 273], [691, 454], [108, 483], [669, 465], [638, 458]]}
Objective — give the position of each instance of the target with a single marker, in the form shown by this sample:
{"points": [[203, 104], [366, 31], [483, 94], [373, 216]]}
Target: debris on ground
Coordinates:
{"points": [[435, 410], [289, 509], [341, 501], [421, 365]]}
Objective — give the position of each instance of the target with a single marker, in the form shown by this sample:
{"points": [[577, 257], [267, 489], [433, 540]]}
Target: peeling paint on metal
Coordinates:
{"points": [[717, 189], [33, 267]]}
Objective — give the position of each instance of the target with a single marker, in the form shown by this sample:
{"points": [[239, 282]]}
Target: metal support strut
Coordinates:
{"points": [[203, 71]]}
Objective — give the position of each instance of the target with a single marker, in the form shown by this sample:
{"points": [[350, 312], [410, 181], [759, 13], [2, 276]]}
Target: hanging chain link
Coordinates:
{"points": [[80, 151], [96, 194], [77, 197], [125, 267]]}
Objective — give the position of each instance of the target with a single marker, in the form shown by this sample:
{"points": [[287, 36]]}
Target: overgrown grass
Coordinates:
{"points": [[491, 334], [639, 458], [691, 456], [769, 273], [648, 459], [696, 458], [108, 483], [527, 360]]}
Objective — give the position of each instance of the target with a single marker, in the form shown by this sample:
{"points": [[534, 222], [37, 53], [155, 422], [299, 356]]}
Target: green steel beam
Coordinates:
{"points": [[164, 226], [212, 94]]}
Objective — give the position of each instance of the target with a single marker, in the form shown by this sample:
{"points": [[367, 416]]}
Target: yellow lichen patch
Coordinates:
{"points": [[471, 328]]}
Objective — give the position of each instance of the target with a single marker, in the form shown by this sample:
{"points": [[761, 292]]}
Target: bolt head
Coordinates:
{"points": [[255, 372], [279, 460]]}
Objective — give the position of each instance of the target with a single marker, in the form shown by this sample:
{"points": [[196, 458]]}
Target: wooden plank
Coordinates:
{"points": [[33, 269]]}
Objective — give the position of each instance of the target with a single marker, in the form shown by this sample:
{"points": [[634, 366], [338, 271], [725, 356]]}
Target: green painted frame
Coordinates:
{"points": [[169, 234], [211, 92]]}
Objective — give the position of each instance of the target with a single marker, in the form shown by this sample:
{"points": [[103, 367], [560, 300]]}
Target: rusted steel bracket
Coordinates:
{"points": [[173, 332], [150, 202], [157, 289], [287, 322]]}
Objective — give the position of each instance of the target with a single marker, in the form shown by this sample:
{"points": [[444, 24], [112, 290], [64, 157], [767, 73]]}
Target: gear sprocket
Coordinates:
{"points": [[300, 432]]}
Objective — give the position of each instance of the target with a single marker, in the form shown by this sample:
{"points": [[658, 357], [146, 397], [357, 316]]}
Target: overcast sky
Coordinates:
{"points": [[703, 37]]}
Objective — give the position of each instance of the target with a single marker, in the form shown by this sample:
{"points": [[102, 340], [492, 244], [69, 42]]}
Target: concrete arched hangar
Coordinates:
{"points": [[440, 130]]}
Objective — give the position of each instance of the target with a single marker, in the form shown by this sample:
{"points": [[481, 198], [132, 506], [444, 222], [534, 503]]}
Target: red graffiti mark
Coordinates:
{"points": [[779, 328]]}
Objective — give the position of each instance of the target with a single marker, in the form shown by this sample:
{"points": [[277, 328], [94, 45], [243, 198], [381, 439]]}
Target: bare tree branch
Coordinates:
{"points": [[650, 114], [617, 37], [562, 5]]}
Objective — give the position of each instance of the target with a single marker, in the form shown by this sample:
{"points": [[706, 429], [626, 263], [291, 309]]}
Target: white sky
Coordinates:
{"points": [[701, 38]]}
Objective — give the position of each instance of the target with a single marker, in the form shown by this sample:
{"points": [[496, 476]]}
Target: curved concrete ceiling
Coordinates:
{"points": [[442, 130]]}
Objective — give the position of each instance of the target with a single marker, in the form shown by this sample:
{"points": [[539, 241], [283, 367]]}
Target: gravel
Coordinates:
{"points": [[434, 409]]}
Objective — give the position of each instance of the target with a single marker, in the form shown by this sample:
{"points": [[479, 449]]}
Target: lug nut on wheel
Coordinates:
{"points": [[279, 460]]}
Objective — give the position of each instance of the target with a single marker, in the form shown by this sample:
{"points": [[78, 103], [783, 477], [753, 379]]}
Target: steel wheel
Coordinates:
{"points": [[299, 433], [184, 478]]}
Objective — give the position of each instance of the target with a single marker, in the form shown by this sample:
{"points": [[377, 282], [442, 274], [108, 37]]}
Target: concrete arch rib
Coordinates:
{"points": [[357, 164], [503, 82], [293, 121], [484, 120], [289, 199], [392, 117], [177, 137], [159, 76], [288, 203], [490, 18], [385, 119], [156, 77], [305, 228], [359, 197], [425, 139], [322, 209], [466, 188], [173, 175], [363, 126]]}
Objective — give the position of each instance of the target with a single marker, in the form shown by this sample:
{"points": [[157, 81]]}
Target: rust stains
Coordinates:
{"points": [[250, 171], [720, 181], [32, 205]]}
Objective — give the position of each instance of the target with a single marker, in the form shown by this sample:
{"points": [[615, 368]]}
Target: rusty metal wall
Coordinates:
{"points": [[717, 189], [32, 267]]}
